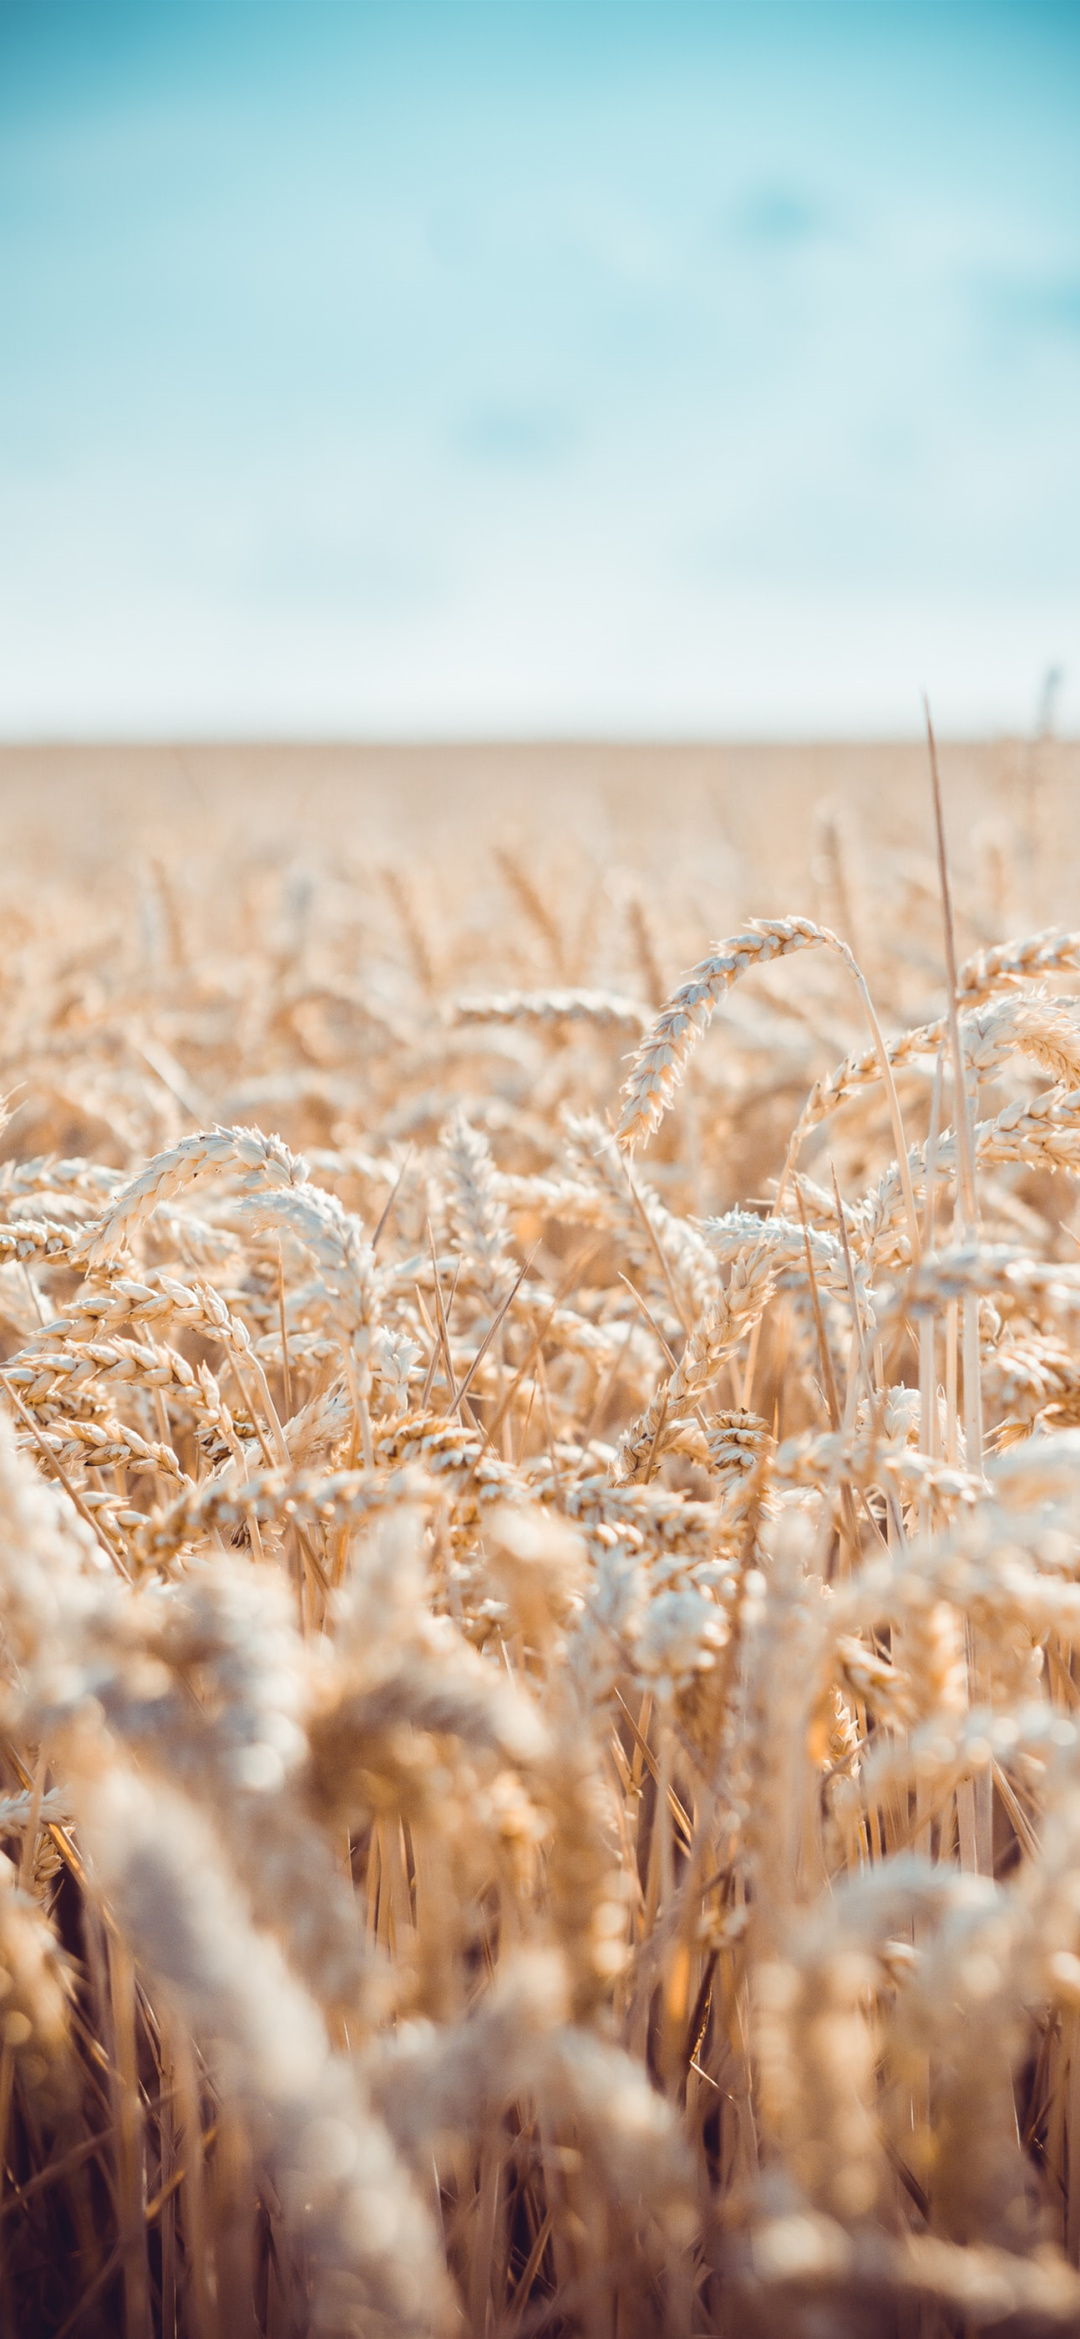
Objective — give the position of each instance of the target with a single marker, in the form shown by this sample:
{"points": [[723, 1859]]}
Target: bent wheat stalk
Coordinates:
{"points": [[659, 1065]]}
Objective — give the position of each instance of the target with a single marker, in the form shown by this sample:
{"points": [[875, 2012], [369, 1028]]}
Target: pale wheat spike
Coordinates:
{"points": [[480, 1231], [860, 1072], [1049, 1033], [264, 1161], [661, 1060], [1023, 961], [605, 1010], [335, 1238], [43, 1239], [713, 1339], [108, 1444], [371, 2241], [321, 1500], [1045, 1029], [48, 1174], [660, 1063], [75, 1369]]}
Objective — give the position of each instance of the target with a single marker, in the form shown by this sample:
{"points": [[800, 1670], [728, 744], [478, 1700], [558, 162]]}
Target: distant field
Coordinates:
{"points": [[539, 1543], [760, 802]]}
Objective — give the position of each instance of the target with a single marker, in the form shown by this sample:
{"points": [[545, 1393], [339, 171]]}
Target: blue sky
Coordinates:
{"points": [[512, 369]]}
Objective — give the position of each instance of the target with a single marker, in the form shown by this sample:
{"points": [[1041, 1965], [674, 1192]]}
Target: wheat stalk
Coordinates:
{"points": [[539, 1755]]}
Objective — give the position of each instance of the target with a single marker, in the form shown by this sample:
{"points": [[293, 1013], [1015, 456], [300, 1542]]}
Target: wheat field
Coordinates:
{"points": [[539, 1544]]}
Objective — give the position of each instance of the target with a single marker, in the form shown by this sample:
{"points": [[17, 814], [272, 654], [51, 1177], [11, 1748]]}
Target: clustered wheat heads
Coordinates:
{"points": [[541, 1710]]}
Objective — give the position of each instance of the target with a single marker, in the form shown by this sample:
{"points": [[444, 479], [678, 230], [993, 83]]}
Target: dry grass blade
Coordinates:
{"points": [[650, 1319], [388, 1206], [828, 1376], [489, 1335], [963, 1125]]}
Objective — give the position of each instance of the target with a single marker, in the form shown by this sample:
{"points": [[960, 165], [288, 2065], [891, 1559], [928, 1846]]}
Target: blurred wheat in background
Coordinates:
{"points": [[541, 1724]]}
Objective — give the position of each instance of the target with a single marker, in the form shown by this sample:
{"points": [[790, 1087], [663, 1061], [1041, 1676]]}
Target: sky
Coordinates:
{"points": [[549, 367]]}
